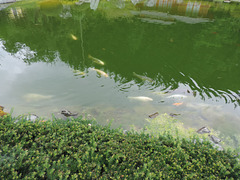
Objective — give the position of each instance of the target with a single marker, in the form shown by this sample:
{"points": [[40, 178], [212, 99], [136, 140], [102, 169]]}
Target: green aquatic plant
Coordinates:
{"points": [[165, 124]]}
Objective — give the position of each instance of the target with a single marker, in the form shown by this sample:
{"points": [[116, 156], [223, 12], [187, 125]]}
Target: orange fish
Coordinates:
{"points": [[177, 104]]}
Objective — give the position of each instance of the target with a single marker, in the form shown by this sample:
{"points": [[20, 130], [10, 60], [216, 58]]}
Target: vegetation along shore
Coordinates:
{"points": [[83, 149]]}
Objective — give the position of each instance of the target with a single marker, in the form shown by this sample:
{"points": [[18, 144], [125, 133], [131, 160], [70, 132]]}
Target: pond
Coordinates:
{"points": [[124, 60]]}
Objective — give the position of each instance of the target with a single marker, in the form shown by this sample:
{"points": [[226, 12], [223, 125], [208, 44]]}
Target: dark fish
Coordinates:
{"points": [[173, 114], [68, 113], [203, 130], [153, 115], [194, 93], [215, 139]]}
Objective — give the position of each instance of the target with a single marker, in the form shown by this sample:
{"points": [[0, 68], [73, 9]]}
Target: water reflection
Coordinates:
{"points": [[155, 50], [168, 56]]}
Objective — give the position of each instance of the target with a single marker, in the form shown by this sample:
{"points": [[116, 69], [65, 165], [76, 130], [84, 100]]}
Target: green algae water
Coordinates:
{"points": [[123, 61]]}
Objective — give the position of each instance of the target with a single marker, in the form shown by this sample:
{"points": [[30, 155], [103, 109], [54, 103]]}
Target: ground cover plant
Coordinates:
{"points": [[82, 149]]}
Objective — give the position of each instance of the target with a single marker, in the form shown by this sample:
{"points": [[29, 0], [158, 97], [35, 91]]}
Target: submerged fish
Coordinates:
{"points": [[32, 97], [74, 37], [77, 72], [100, 72], [174, 114], [203, 130], [178, 104], [141, 98], [68, 113], [215, 139], [160, 93], [96, 60], [153, 115], [177, 96], [143, 78]]}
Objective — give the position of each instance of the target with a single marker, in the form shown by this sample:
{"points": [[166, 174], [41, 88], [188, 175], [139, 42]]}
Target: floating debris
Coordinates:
{"points": [[153, 115], [215, 139], [68, 113], [173, 114], [203, 130], [74, 37], [96, 60], [141, 98]]}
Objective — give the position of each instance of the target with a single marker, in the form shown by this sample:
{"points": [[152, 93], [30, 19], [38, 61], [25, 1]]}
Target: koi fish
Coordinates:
{"points": [[152, 116], [32, 97], [177, 96], [143, 78], [177, 104], [68, 113], [74, 37], [77, 72], [141, 98], [203, 130], [100, 72], [215, 139], [96, 60]]}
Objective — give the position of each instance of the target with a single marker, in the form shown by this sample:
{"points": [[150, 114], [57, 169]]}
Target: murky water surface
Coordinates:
{"points": [[124, 60]]}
